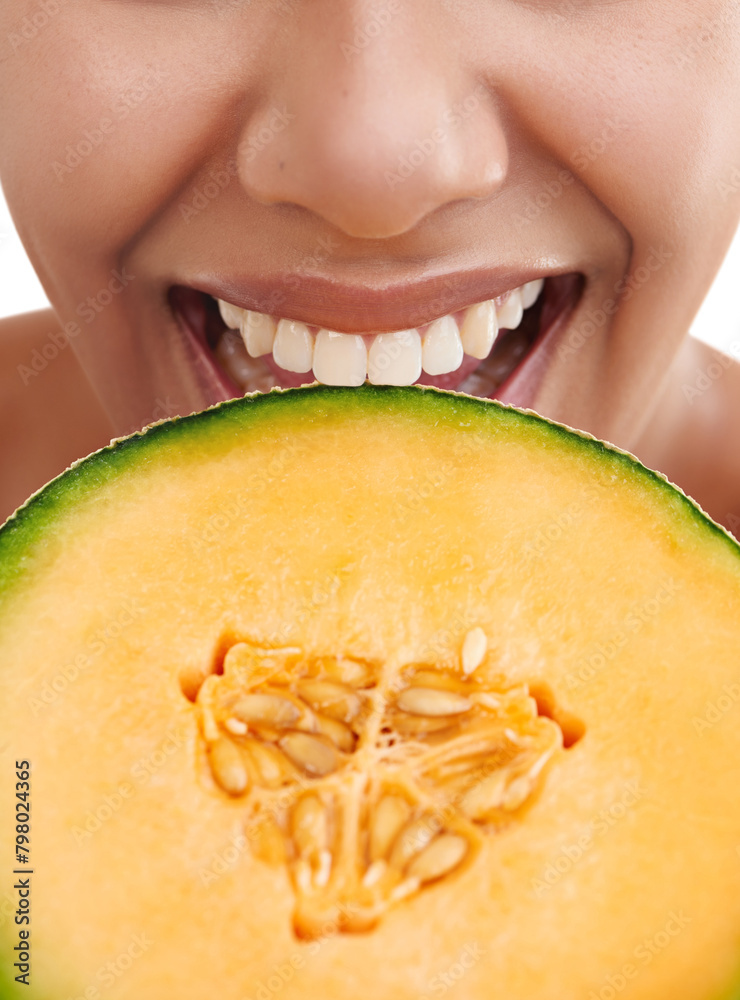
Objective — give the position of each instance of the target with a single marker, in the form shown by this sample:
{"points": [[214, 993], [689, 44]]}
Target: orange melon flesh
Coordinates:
{"points": [[375, 527]]}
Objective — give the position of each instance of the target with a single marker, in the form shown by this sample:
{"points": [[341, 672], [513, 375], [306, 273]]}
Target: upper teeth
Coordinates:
{"points": [[292, 348], [339, 355], [442, 348], [393, 358], [480, 328]]}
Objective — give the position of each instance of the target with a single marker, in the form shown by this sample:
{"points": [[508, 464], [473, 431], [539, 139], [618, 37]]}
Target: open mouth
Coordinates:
{"points": [[475, 350]]}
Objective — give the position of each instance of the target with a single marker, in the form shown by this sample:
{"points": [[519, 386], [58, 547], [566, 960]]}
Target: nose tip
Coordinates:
{"points": [[376, 179], [375, 143]]}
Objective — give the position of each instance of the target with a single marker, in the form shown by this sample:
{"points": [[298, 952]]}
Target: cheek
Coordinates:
{"points": [[106, 123], [640, 102]]}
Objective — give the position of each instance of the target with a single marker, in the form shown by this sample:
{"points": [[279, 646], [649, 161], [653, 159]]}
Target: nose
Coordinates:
{"points": [[370, 119]]}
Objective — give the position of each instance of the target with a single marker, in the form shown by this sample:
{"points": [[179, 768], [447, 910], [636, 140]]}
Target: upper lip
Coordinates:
{"points": [[326, 302]]}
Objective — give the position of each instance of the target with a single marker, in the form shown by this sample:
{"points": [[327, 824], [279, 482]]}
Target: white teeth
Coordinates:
{"points": [[231, 315], [248, 373], [531, 291], [293, 346], [392, 359], [442, 349], [230, 354], [479, 329], [510, 313], [258, 333], [339, 358], [395, 358]]}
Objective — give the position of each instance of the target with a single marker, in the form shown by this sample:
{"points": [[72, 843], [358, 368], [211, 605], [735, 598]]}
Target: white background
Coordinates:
{"points": [[718, 321]]}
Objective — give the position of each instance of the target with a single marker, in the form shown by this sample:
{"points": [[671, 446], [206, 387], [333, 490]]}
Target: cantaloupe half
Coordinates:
{"points": [[361, 693]]}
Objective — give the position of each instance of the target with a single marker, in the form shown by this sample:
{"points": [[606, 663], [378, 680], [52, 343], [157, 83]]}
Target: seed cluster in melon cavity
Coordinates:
{"points": [[394, 772]]}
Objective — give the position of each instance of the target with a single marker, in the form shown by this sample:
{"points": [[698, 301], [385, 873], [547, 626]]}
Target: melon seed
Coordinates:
{"points": [[432, 701], [304, 881], [268, 709], [386, 821], [353, 672], [236, 726], [308, 826], [517, 792], [489, 701], [268, 764], [442, 856], [311, 753], [473, 650], [330, 698], [210, 727], [404, 889], [434, 679], [421, 725], [227, 766], [415, 836], [374, 873], [323, 869], [486, 796], [338, 732]]}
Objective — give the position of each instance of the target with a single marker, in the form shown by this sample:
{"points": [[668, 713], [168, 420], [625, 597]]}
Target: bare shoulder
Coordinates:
{"points": [[49, 413], [694, 437]]}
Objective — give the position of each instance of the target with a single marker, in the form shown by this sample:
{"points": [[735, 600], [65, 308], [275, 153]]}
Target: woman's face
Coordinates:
{"points": [[371, 166]]}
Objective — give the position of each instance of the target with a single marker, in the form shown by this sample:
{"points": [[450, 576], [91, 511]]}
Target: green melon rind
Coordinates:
{"points": [[10, 989], [734, 993], [24, 527]]}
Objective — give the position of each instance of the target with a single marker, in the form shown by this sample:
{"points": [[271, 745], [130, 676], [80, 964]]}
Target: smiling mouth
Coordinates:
{"points": [[476, 350]]}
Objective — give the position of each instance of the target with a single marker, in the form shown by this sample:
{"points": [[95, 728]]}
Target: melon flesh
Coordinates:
{"points": [[178, 611]]}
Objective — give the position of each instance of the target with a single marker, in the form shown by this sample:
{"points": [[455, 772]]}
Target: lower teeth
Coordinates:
{"points": [[250, 374]]}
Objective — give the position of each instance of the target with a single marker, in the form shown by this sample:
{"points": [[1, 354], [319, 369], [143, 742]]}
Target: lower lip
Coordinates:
{"points": [[516, 365]]}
